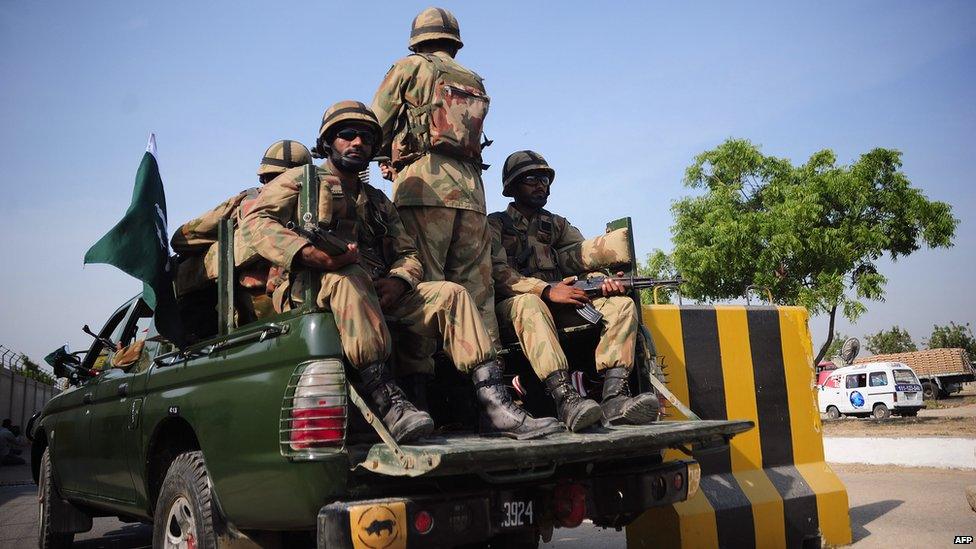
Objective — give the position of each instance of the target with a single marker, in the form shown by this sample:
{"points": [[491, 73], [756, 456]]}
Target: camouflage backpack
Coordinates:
{"points": [[451, 121]]}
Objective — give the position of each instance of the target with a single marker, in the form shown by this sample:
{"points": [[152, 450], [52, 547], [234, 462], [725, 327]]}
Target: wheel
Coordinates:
{"points": [[833, 412], [881, 411], [930, 391], [47, 508], [185, 514]]}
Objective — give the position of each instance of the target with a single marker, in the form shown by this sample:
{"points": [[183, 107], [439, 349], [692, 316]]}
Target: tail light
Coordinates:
{"points": [[314, 410], [569, 505]]}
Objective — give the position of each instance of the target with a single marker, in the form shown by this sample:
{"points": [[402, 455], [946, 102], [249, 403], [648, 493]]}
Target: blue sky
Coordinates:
{"points": [[619, 97]]}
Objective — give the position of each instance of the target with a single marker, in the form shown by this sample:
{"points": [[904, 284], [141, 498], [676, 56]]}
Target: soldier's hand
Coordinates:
{"points": [[317, 259], [613, 287], [389, 290], [387, 171], [565, 292]]}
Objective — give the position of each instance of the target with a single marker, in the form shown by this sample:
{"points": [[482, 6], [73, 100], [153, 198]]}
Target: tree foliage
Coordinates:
{"points": [[953, 336], [894, 340], [810, 233], [836, 345], [31, 370], [658, 265]]}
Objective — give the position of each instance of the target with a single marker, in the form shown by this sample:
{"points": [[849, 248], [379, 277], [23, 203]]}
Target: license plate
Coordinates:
{"points": [[910, 395], [516, 511]]}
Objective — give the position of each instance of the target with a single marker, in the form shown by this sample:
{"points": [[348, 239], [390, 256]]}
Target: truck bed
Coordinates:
{"points": [[473, 454]]}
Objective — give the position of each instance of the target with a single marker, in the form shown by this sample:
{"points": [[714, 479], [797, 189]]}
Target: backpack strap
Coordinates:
{"points": [[521, 261]]}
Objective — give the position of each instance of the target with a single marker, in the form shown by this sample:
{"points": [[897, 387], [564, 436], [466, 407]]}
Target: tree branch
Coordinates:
{"points": [[830, 337]]}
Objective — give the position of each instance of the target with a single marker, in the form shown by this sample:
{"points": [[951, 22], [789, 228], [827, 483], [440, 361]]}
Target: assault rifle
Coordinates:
{"points": [[335, 245], [594, 288]]}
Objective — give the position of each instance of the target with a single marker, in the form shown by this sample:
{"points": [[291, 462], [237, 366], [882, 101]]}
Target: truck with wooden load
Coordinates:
{"points": [[941, 372]]}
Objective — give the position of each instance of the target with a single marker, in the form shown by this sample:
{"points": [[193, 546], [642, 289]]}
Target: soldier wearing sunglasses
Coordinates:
{"points": [[348, 139], [533, 252]]}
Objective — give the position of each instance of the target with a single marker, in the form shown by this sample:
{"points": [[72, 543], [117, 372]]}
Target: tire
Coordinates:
{"points": [[185, 513], [930, 391], [880, 411], [46, 508], [833, 412]]}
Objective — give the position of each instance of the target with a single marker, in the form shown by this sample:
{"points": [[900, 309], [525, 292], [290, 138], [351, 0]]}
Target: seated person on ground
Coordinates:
{"points": [[535, 251]]}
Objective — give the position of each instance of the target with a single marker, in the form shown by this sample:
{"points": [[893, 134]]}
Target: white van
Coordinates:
{"points": [[877, 389]]}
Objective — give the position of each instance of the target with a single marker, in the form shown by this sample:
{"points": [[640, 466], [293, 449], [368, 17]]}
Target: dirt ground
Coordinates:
{"points": [[902, 427], [954, 416]]}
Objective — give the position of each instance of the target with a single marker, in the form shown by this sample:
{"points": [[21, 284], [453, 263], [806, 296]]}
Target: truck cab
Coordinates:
{"points": [[876, 389]]}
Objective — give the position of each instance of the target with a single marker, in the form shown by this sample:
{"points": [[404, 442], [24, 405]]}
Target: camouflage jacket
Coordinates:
{"points": [[528, 253], [196, 242], [432, 179], [366, 217], [543, 249]]}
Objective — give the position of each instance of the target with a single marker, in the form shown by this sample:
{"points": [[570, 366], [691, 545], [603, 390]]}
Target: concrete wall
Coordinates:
{"points": [[21, 397]]}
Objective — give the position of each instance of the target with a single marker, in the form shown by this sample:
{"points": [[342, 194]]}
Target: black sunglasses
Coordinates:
{"points": [[349, 134]]}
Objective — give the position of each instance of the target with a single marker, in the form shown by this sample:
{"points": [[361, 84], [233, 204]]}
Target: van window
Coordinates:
{"points": [[832, 381], [856, 380], [905, 376], [878, 379]]}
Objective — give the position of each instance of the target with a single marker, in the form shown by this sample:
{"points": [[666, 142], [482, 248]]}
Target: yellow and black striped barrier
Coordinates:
{"points": [[771, 487]]}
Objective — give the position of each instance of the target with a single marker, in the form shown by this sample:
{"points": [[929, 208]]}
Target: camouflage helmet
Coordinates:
{"points": [[282, 155], [520, 163], [346, 111], [434, 24]]}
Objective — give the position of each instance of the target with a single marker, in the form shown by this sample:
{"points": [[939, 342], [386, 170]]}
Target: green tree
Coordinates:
{"points": [[894, 340], [836, 345], [810, 233], [658, 265], [953, 336]]}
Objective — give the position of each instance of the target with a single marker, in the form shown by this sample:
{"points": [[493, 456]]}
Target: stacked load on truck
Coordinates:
{"points": [[941, 371]]}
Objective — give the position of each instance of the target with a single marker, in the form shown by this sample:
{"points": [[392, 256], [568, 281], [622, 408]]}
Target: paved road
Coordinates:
{"points": [[890, 507]]}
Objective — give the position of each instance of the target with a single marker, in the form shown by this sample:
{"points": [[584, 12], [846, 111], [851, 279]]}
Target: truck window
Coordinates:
{"points": [[905, 376], [878, 379], [856, 380]]}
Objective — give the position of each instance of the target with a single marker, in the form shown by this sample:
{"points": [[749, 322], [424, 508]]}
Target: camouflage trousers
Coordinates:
{"points": [[433, 309], [440, 310], [454, 245], [529, 320]]}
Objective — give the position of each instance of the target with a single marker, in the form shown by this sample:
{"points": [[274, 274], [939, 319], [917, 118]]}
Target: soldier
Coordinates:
{"points": [[196, 243], [540, 250], [349, 137], [432, 110]]}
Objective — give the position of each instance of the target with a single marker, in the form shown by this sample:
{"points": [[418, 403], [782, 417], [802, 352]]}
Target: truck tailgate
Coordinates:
{"points": [[467, 454]]}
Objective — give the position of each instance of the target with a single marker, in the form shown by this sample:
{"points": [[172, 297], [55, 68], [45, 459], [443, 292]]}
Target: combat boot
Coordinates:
{"points": [[415, 387], [621, 408], [401, 417], [576, 412], [499, 415]]}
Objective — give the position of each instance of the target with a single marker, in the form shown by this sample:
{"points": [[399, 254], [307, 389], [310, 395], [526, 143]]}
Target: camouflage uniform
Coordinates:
{"points": [[528, 255], [196, 240], [369, 218], [431, 110]]}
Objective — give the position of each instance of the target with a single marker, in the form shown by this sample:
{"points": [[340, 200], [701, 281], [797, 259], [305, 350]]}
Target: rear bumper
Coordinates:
{"points": [[473, 517]]}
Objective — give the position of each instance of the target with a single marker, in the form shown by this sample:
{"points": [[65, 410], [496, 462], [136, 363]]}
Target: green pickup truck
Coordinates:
{"points": [[257, 434]]}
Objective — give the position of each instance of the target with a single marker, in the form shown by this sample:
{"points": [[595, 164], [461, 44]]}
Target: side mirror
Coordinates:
{"points": [[67, 365]]}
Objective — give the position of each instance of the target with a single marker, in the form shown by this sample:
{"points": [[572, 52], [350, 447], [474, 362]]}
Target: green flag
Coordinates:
{"points": [[138, 246]]}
